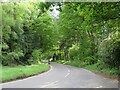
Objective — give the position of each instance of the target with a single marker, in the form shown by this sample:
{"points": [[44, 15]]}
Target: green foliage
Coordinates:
{"points": [[73, 51], [5, 46], [106, 71], [90, 60], [90, 34], [36, 57], [47, 55], [110, 50], [27, 32], [84, 34], [11, 58]]}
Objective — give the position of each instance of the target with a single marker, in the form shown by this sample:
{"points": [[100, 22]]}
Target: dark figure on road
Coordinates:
{"points": [[54, 57]]}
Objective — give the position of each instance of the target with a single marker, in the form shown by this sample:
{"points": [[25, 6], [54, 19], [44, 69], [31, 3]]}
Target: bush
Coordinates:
{"points": [[47, 55], [36, 57], [109, 50], [90, 60], [11, 58], [74, 52]]}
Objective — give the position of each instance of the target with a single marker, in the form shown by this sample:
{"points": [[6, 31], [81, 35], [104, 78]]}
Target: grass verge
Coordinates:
{"points": [[111, 73], [18, 72], [97, 68]]}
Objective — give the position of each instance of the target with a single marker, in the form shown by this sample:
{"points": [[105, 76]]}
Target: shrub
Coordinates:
{"points": [[11, 58], [36, 57], [109, 50], [90, 60], [73, 52]]}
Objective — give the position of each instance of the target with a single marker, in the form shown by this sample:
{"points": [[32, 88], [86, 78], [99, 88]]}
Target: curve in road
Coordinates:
{"points": [[63, 76]]}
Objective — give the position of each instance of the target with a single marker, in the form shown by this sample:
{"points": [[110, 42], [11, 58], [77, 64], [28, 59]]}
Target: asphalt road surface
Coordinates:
{"points": [[63, 76]]}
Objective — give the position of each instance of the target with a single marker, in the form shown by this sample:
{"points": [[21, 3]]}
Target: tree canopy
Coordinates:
{"points": [[84, 32]]}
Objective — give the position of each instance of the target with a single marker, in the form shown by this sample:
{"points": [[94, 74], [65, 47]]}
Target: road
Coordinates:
{"points": [[63, 76]]}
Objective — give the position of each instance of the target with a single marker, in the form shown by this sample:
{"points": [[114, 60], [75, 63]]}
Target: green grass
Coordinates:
{"points": [[106, 72], [17, 72], [97, 68]]}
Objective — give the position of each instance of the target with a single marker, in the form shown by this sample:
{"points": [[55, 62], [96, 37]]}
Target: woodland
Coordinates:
{"points": [[81, 34]]}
